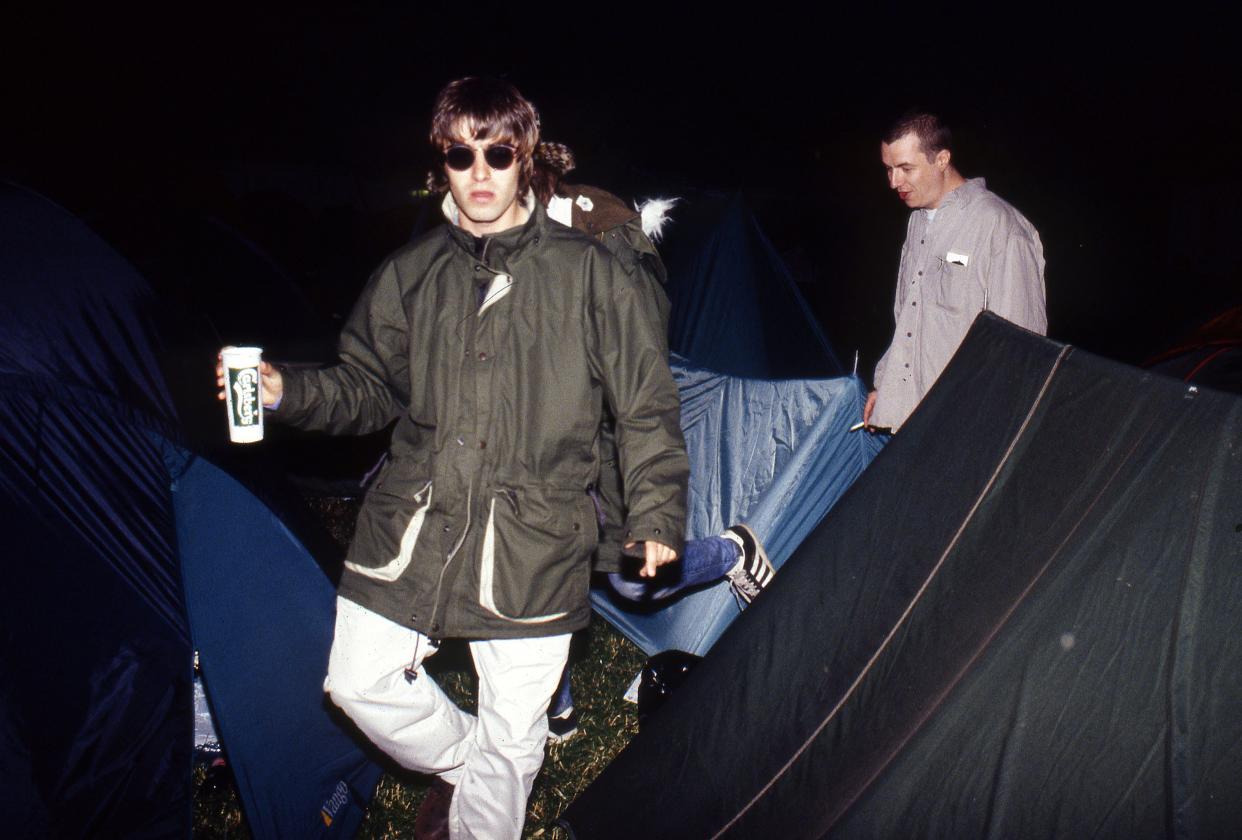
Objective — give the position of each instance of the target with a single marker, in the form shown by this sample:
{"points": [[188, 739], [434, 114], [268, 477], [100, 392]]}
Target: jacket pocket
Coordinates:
{"points": [[533, 565], [391, 521]]}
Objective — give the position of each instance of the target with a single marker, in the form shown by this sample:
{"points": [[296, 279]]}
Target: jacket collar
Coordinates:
{"points": [[506, 243]]}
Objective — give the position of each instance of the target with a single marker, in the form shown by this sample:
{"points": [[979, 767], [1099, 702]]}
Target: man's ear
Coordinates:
{"points": [[942, 159]]}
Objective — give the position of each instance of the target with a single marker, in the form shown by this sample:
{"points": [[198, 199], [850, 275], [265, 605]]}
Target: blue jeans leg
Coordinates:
{"points": [[704, 561]]}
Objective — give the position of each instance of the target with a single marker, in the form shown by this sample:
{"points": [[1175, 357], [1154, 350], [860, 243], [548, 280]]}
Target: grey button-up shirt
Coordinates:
{"points": [[979, 253]]}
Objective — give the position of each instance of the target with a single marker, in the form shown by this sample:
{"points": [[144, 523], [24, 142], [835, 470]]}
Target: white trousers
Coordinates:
{"points": [[491, 759]]}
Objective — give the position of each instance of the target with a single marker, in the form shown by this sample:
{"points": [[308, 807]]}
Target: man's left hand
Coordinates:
{"points": [[655, 555]]}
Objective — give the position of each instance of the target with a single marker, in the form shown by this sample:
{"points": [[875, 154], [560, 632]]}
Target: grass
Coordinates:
{"points": [[604, 663]]}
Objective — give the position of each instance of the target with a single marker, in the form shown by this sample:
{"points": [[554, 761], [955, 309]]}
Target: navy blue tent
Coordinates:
{"points": [[95, 690], [736, 308]]}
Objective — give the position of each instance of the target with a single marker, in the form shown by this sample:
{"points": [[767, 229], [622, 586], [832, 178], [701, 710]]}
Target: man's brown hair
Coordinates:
{"points": [[489, 108], [933, 134]]}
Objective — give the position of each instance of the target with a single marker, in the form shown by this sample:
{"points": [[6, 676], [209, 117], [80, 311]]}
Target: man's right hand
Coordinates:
{"points": [[273, 383], [868, 408]]}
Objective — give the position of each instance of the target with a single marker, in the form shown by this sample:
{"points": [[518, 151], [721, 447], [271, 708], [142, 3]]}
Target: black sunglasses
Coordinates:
{"points": [[461, 158]]}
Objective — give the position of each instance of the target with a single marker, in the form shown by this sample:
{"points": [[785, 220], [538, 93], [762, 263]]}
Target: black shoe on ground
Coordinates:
{"points": [[564, 726]]}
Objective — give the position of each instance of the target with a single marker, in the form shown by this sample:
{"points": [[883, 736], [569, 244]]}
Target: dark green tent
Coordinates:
{"points": [[1021, 621]]}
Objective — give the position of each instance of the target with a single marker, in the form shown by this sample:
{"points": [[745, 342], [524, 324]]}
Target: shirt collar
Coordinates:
{"points": [[966, 193]]}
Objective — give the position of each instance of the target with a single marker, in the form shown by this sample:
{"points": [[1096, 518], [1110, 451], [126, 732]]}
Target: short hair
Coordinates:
{"points": [[493, 108], [933, 134]]}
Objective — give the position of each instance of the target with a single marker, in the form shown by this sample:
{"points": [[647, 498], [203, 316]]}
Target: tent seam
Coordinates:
{"points": [[1175, 725], [1026, 421]]}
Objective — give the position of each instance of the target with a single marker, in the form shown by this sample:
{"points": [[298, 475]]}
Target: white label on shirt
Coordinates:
{"points": [[957, 259]]}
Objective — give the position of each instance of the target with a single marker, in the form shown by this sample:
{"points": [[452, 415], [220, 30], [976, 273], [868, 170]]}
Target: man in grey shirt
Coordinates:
{"points": [[966, 250]]}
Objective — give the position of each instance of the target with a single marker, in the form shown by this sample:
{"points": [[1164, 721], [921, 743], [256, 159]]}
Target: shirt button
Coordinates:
{"points": [[914, 303], [921, 241], [920, 274], [909, 334]]}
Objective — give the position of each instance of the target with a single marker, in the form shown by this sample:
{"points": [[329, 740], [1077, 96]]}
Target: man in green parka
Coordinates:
{"points": [[494, 342]]}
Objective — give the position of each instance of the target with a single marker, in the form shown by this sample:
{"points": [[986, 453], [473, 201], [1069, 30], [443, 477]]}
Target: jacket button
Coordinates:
{"points": [[413, 616], [446, 529], [577, 527], [657, 530], [461, 442], [482, 444], [483, 357], [435, 627]]}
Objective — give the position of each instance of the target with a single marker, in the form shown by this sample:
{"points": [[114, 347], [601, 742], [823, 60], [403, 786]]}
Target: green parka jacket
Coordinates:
{"points": [[606, 218], [496, 365]]}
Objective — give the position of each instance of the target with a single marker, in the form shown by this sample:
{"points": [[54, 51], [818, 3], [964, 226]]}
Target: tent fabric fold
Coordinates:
{"points": [[95, 688], [1019, 622]]}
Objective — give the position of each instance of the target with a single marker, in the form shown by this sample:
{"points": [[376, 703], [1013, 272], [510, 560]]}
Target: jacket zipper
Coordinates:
{"points": [[435, 609]]}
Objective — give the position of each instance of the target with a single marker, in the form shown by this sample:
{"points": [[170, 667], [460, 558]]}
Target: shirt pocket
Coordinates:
{"points": [[533, 565], [953, 289]]}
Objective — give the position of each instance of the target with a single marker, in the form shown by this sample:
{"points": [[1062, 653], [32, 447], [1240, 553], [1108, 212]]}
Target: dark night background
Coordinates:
{"points": [[1113, 131]]}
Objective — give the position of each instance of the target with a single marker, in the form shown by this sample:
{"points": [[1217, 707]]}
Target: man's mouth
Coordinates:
{"points": [[481, 195]]}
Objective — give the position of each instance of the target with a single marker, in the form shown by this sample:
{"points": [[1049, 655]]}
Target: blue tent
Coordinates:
{"points": [[735, 307], [768, 446], [775, 454], [125, 551]]}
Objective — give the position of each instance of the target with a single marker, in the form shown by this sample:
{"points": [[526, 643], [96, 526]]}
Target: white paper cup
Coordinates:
{"points": [[243, 393]]}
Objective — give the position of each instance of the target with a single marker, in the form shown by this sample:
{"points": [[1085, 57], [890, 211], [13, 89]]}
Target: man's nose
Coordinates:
{"points": [[894, 179], [479, 170]]}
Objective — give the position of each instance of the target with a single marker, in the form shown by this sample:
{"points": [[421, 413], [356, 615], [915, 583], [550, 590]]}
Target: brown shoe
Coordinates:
{"points": [[431, 821]]}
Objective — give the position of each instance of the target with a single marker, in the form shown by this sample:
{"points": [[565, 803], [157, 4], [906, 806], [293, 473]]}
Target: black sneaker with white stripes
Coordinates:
{"points": [[753, 571]]}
